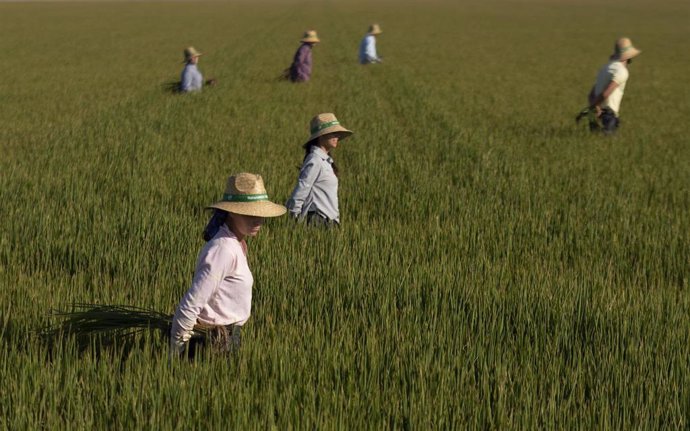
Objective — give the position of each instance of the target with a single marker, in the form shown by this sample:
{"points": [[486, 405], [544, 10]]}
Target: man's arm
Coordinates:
{"points": [[596, 103], [307, 176]]}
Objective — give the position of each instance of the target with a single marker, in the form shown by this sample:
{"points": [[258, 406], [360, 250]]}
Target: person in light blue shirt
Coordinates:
{"points": [[315, 197], [191, 79], [367, 49]]}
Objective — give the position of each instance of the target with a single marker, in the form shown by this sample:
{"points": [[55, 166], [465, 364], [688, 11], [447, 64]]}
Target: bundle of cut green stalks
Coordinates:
{"points": [[113, 322]]}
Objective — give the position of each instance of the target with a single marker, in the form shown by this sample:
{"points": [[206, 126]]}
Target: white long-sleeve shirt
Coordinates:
{"points": [[367, 50], [221, 291], [317, 188]]}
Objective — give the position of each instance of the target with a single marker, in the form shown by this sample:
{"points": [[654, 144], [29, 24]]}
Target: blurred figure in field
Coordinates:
{"points": [[606, 94], [367, 49], [191, 79], [300, 69], [315, 197]]}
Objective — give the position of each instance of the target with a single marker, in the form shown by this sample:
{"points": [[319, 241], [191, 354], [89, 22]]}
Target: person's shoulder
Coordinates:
{"points": [[224, 243], [618, 69], [311, 159], [615, 66]]}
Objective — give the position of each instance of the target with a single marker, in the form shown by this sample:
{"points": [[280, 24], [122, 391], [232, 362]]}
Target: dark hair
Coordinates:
{"points": [[307, 149], [216, 221]]}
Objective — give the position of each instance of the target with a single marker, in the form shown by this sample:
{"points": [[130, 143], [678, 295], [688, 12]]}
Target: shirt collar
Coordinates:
{"points": [[227, 232], [321, 153]]}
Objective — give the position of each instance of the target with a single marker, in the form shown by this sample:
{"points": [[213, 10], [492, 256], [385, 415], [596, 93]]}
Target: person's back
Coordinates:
{"points": [[300, 70], [191, 79], [614, 71], [367, 50]]}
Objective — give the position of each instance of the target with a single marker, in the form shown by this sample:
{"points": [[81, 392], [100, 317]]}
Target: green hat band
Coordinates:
{"points": [[244, 198], [320, 127]]}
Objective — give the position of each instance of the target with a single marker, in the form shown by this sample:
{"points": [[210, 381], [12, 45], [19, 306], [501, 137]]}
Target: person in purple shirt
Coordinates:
{"points": [[300, 70]]}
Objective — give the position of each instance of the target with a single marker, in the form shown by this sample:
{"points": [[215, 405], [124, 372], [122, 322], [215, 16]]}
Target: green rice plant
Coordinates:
{"points": [[497, 265], [86, 321]]}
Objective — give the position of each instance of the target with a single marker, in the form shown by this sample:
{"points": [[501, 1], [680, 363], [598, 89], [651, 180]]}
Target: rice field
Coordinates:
{"points": [[498, 267]]}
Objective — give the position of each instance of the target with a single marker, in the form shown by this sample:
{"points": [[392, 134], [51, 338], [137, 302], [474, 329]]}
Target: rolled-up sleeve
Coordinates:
{"points": [[210, 270], [307, 176]]}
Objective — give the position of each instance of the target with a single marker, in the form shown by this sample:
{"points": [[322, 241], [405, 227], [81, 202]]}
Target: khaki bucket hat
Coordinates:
{"points": [[324, 124], [310, 36], [374, 29], [190, 53], [245, 194], [624, 49]]}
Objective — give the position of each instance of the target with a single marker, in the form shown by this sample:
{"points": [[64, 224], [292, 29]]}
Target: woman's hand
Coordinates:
{"points": [[178, 345]]}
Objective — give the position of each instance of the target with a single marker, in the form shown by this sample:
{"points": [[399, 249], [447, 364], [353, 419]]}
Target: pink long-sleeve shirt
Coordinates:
{"points": [[221, 291]]}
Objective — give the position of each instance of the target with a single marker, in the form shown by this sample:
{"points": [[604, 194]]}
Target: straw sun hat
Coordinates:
{"points": [[624, 49], [324, 124], [190, 53], [374, 29], [245, 194], [310, 36]]}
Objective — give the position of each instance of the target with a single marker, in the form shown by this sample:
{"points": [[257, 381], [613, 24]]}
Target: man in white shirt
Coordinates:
{"points": [[367, 48], [607, 93]]}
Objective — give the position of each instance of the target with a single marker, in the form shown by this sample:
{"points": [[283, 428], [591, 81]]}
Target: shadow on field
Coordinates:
{"points": [[172, 87], [546, 131], [14, 336], [18, 337], [101, 347]]}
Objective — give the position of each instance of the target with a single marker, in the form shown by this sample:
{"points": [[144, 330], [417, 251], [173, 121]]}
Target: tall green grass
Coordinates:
{"points": [[497, 266]]}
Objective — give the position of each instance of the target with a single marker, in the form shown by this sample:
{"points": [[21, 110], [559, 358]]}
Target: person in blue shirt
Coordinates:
{"points": [[191, 79], [367, 49], [315, 197]]}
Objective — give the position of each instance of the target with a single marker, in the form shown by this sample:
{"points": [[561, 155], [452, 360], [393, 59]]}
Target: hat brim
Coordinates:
{"points": [[631, 53], [375, 33], [333, 129], [255, 209], [186, 59], [310, 40]]}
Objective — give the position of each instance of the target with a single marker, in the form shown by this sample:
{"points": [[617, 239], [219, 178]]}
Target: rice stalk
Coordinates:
{"points": [[113, 322]]}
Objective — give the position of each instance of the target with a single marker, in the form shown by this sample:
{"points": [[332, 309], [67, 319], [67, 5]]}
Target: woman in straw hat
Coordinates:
{"points": [[219, 299], [367, 48], [300, 70], [315, 197], [607, 93], [191, 79]]}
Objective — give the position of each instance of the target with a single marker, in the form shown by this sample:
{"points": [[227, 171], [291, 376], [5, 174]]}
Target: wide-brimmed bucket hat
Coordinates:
{"points": [[190, 53], [324, 124], [245, 194], [310, 36], [374, 29], [624, 49]]}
